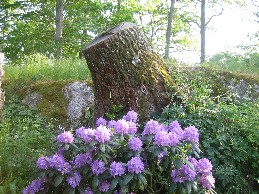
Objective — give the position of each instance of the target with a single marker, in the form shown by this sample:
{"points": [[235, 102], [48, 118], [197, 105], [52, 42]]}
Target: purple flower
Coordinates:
{"points": [[207, 181], [173, 139], [132, 127], [173, 125], [161, 155], [64, 167], [42, 163], [98, 167], [131, 116], [102, 134], [74, 180], [204, 166], [135, 165], [161, 138], [111, 124], [88, 190], [34, 187], [85, 134], [65, 137], [193, 161], [117, 169], [151, 127], [101, 121], [121, 127], [82, 159], [175, 128], [135, 143], [191, 134], [104, 186], [183, 174], [117, 192], [56, 160]]}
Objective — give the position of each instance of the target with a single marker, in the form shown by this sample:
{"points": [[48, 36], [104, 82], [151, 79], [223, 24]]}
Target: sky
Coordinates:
{"points": [[226, 32]]}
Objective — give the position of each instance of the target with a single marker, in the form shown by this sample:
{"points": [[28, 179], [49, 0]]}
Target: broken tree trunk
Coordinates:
{"points": [[126, 71]]}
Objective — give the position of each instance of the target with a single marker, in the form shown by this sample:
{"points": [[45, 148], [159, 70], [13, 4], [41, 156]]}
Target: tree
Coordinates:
{"points": [[169, 29], [59, 25]]}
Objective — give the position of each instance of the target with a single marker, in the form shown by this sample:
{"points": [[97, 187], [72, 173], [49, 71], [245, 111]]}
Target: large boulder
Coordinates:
{"points": [[66, 103]]}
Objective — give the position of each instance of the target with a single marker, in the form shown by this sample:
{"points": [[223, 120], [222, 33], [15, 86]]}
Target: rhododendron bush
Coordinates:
{"points": [[118, 157]]}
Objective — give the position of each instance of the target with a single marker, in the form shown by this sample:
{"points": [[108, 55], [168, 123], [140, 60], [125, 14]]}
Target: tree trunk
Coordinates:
{"points": [[126, 71], [169, 29], [203, 29], [59, 21], [1, 92]]}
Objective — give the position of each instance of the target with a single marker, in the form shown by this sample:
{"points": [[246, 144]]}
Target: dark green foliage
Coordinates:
{"points": [[24, 136], [229, 132]]}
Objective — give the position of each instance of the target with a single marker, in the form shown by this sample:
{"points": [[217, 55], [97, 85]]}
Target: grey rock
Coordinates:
{"points": [[32, 100], [80, 96]]}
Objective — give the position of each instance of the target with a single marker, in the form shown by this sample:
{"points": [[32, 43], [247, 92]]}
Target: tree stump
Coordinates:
{"points": [[1, 91], [126, 71]]}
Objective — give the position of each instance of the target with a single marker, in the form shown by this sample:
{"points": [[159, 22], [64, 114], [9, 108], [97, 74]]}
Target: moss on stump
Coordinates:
{"points": [[126, 71]]}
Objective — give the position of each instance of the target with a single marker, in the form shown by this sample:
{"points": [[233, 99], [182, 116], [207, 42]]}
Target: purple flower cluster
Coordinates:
{"points": [[58, 162], [74, 180], [83, 159], [135, 165], [151, 127], [88, 190], [175, 128], [131, 116], [97, 167], [42, 163], [101, 121], [191, 134], [185, 173], [34, 187], [85, 134], [135, 143], [103, 186], [161, 138], [121, 127], [65, 137], [102, 134], [207, 181], [204, 167], [117, 169]]}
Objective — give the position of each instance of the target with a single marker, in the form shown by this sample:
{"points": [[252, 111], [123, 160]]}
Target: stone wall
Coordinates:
{"points": [[1, 91]]}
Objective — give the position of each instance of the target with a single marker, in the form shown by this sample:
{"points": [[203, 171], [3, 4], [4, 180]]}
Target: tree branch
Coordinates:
{"points": [[215, 15]]}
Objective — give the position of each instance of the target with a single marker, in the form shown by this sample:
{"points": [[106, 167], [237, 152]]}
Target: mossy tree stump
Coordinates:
{"points": [[1, 91], [126, 71]]}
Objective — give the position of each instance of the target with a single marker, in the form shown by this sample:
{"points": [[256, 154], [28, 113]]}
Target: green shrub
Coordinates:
{"points": [[24, 136], [229, 132]]}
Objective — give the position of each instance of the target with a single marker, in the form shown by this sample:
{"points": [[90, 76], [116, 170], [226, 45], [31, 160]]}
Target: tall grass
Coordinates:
{"points": [[40, 68]]}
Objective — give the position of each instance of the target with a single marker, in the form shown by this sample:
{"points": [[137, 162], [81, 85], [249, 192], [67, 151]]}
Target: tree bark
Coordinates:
{"points": [[1, 91], [125, 71], [169, 29], [59, 26], [202, 32]]}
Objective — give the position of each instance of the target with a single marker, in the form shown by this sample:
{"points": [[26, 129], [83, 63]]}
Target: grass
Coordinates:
{"points": [[39, 68]]}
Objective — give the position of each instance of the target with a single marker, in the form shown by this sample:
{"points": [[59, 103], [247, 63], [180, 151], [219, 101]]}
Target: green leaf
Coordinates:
{"points": [[147, 172], [127, 179], [188, 187], [66, 147], [114, 183], [172, 188], [95, 182], [58, 180], [74, 145], [71, 191], [178, 163], [142, 179], [102, 147]]}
